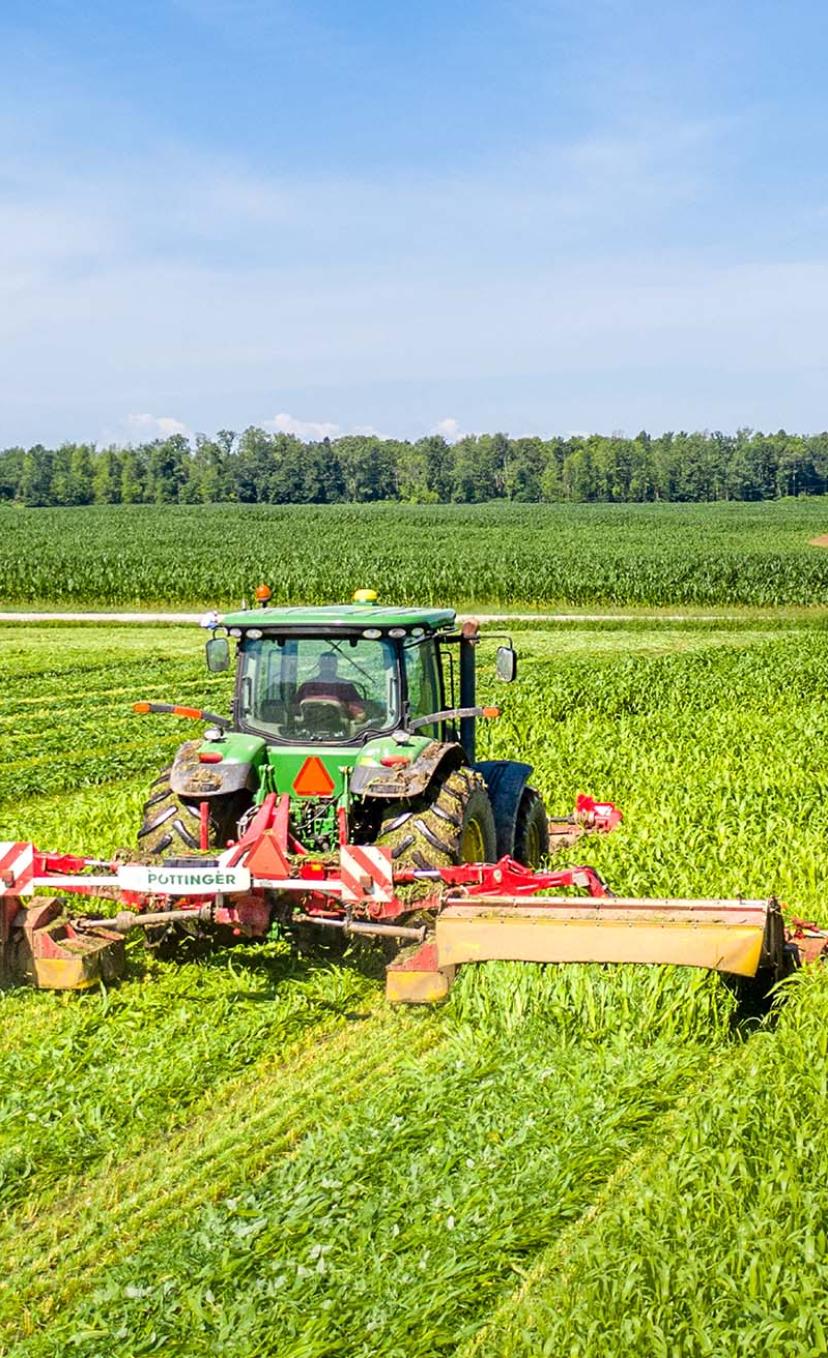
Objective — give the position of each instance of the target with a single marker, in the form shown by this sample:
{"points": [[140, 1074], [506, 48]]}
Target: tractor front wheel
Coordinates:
{"points": [[531, 830], [171, 826]]}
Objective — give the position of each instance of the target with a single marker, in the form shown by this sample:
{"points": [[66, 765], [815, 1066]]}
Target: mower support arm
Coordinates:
{"points": [[175, 710]]}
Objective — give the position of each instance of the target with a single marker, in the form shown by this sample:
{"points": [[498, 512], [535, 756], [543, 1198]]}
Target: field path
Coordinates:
{"points": [[145, 618], [821, 541]]}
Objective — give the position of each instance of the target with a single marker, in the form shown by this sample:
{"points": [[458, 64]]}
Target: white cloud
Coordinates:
{"points": [[368, 431], [143, 428], [283, 423], [449, 428], [157, 426]]}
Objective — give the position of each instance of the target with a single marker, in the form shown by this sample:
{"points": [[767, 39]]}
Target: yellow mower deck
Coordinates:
{"points": [[736, 937], [41, 947]]}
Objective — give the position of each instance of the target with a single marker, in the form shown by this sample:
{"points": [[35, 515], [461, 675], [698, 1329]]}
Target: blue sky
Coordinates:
{"points": [[530, 215]]}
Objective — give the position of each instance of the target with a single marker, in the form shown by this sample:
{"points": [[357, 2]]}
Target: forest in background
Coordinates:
{"points": [[257, 467]]}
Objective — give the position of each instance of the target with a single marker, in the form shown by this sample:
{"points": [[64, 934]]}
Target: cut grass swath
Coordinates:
{"points": [[429, 1189], [717, 1244]]}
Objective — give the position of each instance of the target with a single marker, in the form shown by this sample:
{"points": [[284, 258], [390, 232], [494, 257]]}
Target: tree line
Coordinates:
{"points": [[260, 467]]}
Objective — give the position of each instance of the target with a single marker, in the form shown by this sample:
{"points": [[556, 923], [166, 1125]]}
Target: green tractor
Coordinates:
{"points": [[366, 718]]}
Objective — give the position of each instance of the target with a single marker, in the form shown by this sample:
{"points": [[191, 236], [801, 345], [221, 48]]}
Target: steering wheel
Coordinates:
{"points": [[329, 713]]}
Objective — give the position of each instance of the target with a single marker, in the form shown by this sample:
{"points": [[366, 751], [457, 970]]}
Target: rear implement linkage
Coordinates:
{"points": [[477, 911]]}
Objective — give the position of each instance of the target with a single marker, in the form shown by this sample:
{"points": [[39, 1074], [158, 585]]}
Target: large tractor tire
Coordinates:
{"points": [[171, 827], [171, 823], [531, 830], [452, 823]]}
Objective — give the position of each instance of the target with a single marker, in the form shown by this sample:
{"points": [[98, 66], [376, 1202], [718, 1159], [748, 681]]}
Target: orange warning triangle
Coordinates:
{"points": [[313, 779], [266, 859]]}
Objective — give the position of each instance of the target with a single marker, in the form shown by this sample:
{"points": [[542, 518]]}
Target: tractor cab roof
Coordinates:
{"points": [[335, 616]]}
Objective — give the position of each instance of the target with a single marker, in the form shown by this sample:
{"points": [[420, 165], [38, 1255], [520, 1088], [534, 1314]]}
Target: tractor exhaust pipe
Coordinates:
{"points": [[412, 935]]}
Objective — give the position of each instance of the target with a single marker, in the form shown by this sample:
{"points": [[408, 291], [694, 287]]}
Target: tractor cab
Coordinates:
{"points": [[299, 689], [362, 720], [349, 675]]}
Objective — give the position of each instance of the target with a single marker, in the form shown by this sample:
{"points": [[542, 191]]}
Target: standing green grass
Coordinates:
{"points": [[715, 1244], [497, 554], [250, 1155]]}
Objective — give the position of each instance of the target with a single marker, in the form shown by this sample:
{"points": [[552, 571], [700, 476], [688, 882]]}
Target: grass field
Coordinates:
{"points": [[700, 555], [252, 1155]]}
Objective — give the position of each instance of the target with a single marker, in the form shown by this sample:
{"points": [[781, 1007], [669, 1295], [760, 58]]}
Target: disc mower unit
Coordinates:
{"points": [[469, 912], [342, 798], [43, 947]]}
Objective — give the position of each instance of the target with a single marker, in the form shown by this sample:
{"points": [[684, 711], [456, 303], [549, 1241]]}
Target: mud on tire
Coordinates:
{"points": [[452, 823], [171, 824]]}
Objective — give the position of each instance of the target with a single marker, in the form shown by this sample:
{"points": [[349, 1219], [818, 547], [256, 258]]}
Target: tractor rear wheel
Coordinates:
{"points": [[452, 823], [531, 830], [172, 824]]}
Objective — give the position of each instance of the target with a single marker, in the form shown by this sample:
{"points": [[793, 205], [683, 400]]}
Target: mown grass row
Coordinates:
{"points": [[716, 1244], [81, 1073], [66, 719], [274, 1162], [396, 1220], [580, 554], [167, 1171]]}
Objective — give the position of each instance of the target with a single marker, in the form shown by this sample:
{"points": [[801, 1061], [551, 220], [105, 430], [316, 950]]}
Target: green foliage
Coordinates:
{"points": [[249, 1154], [716, 1243], [594, 1002], [505, 555], [263, 468]]}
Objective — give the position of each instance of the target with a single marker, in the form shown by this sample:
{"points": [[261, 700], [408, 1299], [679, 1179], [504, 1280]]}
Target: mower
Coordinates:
{"points": [[343, 798]]}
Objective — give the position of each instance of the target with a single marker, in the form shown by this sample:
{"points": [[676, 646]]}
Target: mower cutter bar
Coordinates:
{"points": [[742, 938], [481, 911], [732, 936]]}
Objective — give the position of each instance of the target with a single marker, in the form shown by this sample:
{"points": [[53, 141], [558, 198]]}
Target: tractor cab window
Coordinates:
{"points": [[423, 683], [301, 689]]}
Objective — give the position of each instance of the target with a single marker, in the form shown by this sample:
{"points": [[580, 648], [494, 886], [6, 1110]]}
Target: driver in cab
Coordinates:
{"points": [[328, 686]]}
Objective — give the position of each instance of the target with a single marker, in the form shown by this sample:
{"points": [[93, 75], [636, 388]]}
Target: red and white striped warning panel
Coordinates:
{"points": [[16, 869], [366, 873]]}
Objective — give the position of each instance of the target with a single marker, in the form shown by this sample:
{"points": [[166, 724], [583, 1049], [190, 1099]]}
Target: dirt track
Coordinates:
{"points": [[821, 541], [145, 618]]}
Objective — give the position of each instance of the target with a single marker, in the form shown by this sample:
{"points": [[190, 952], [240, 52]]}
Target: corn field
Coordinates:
{"points": [[503, 554], [251, 1154]]}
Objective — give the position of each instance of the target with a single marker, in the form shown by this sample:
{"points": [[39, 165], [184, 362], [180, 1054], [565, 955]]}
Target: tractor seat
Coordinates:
{"points": [[325, 717]]}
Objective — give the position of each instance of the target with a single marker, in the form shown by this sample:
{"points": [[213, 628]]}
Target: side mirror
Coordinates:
{"points": [[506, 664], [218, 654]]}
